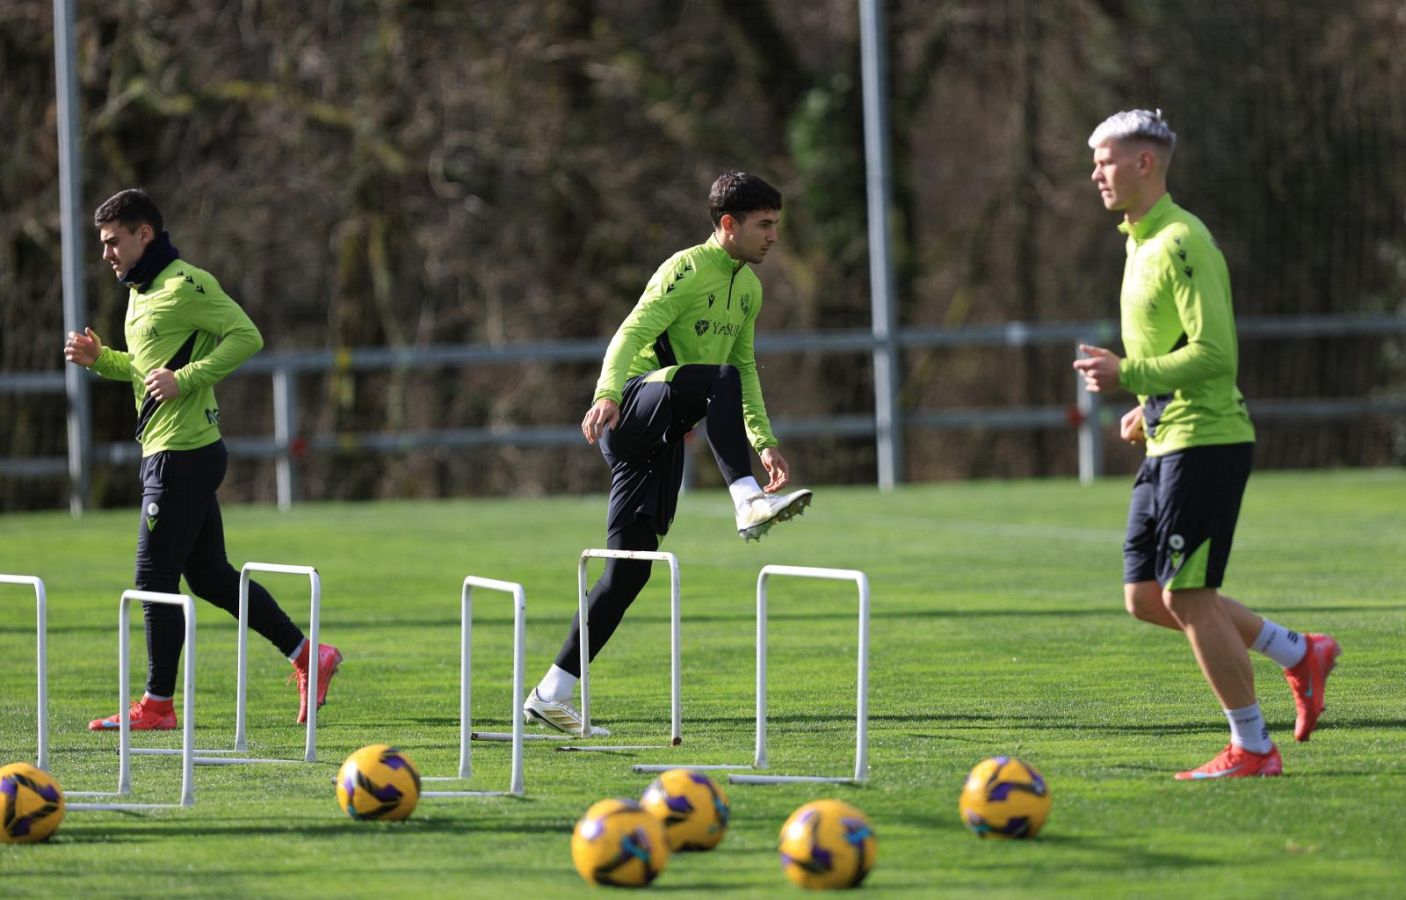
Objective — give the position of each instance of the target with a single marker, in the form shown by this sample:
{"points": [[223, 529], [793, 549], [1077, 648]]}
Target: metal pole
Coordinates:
{"points": [[284, 430], [888, 423], [80, 440]]}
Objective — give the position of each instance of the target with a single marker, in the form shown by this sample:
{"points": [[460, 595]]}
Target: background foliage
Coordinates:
{"points": [[398, 173]]}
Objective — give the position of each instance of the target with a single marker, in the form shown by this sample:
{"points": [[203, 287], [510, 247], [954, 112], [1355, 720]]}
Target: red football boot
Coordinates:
{"points": [[143, 715], [1237, 762], [329, 659], [1309, 678]]}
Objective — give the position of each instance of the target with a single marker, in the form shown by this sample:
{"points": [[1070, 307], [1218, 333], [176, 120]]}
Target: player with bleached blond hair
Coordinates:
{"points": [[1178, 328]]}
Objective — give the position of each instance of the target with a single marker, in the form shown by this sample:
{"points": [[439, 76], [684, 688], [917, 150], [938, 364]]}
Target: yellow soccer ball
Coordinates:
{"points": [[617, 843], [378, 782], [31, 804], [1004, 798], [692, 807], [828, 844]]}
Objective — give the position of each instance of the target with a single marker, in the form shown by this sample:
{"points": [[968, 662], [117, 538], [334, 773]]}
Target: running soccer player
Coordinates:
{"points": [[683, 355], [184, 334], [1179, 331]]}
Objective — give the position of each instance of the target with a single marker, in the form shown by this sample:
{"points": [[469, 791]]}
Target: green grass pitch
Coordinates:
{"points": [[997, 629]]}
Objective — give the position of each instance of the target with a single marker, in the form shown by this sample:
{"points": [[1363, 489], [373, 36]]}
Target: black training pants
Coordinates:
{"points": [[645, 452], [182, 533]]}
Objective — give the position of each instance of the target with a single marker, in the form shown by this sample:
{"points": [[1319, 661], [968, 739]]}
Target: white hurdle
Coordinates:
{"points": [[241, 710], [676, 690], [124, 686], [466, 734], [241, 703], [42, 716], [861, 753]]}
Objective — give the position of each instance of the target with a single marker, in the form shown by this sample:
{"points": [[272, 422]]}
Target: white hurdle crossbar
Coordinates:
{"points": [[466, 734], [124, 686], [675, 674], [40, 605], [861, 753]]}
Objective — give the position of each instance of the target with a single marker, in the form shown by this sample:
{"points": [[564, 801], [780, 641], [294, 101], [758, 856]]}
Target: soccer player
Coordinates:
{"points": [[1179, 331], [184, 334], [683, 355]]}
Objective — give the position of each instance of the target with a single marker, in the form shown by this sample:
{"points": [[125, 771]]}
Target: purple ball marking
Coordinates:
{"points": [[8, 786], [1017, 827], [679, 805]]}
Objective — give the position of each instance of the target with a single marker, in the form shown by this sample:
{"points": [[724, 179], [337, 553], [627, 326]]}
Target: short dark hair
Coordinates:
{"points": [[739, 193], [131, 208]]}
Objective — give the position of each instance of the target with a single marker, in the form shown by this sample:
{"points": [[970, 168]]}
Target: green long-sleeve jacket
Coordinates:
{"points": [[1179, 332], [701, 306], [185, 322]]}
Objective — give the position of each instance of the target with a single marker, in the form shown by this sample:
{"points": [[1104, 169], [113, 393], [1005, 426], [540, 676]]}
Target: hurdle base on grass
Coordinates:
{"points": [[616, 748], [117, 807], [230, 760], [463, 793], [707, 767], [786, 779], [505, 737]]}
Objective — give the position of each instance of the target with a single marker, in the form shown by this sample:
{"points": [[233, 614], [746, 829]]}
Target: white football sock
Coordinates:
{"points": [[148, 695], [742, 488], [557, 685], [1247, 729], [1280, 644]]}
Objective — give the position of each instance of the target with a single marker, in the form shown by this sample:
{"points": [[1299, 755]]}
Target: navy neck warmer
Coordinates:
{"points": [[159, 254]]}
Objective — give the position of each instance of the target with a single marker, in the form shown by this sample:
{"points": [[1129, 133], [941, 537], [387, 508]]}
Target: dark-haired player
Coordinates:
{"points": [[682, 356], [184, 335]]}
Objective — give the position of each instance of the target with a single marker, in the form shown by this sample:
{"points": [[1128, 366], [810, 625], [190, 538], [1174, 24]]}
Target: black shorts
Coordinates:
{"points": [[1181, 521]]}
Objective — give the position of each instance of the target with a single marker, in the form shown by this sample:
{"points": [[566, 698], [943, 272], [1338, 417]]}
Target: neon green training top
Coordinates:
{"points": [[701, 306], [184, 322], [1179, 332]]}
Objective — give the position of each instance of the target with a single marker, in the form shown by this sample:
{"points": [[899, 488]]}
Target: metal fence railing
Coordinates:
{"points": [[287, 442]]}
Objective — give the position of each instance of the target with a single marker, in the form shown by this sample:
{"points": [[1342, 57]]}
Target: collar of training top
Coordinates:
{"points": [[1151, 221], [159, 254]]}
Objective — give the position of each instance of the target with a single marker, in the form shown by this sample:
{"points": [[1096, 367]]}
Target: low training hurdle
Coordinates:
{"points": [[466, 734], [861, 751], [861, 762], [676, 692], [124, 747], [42, 716], [241, 703]]}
